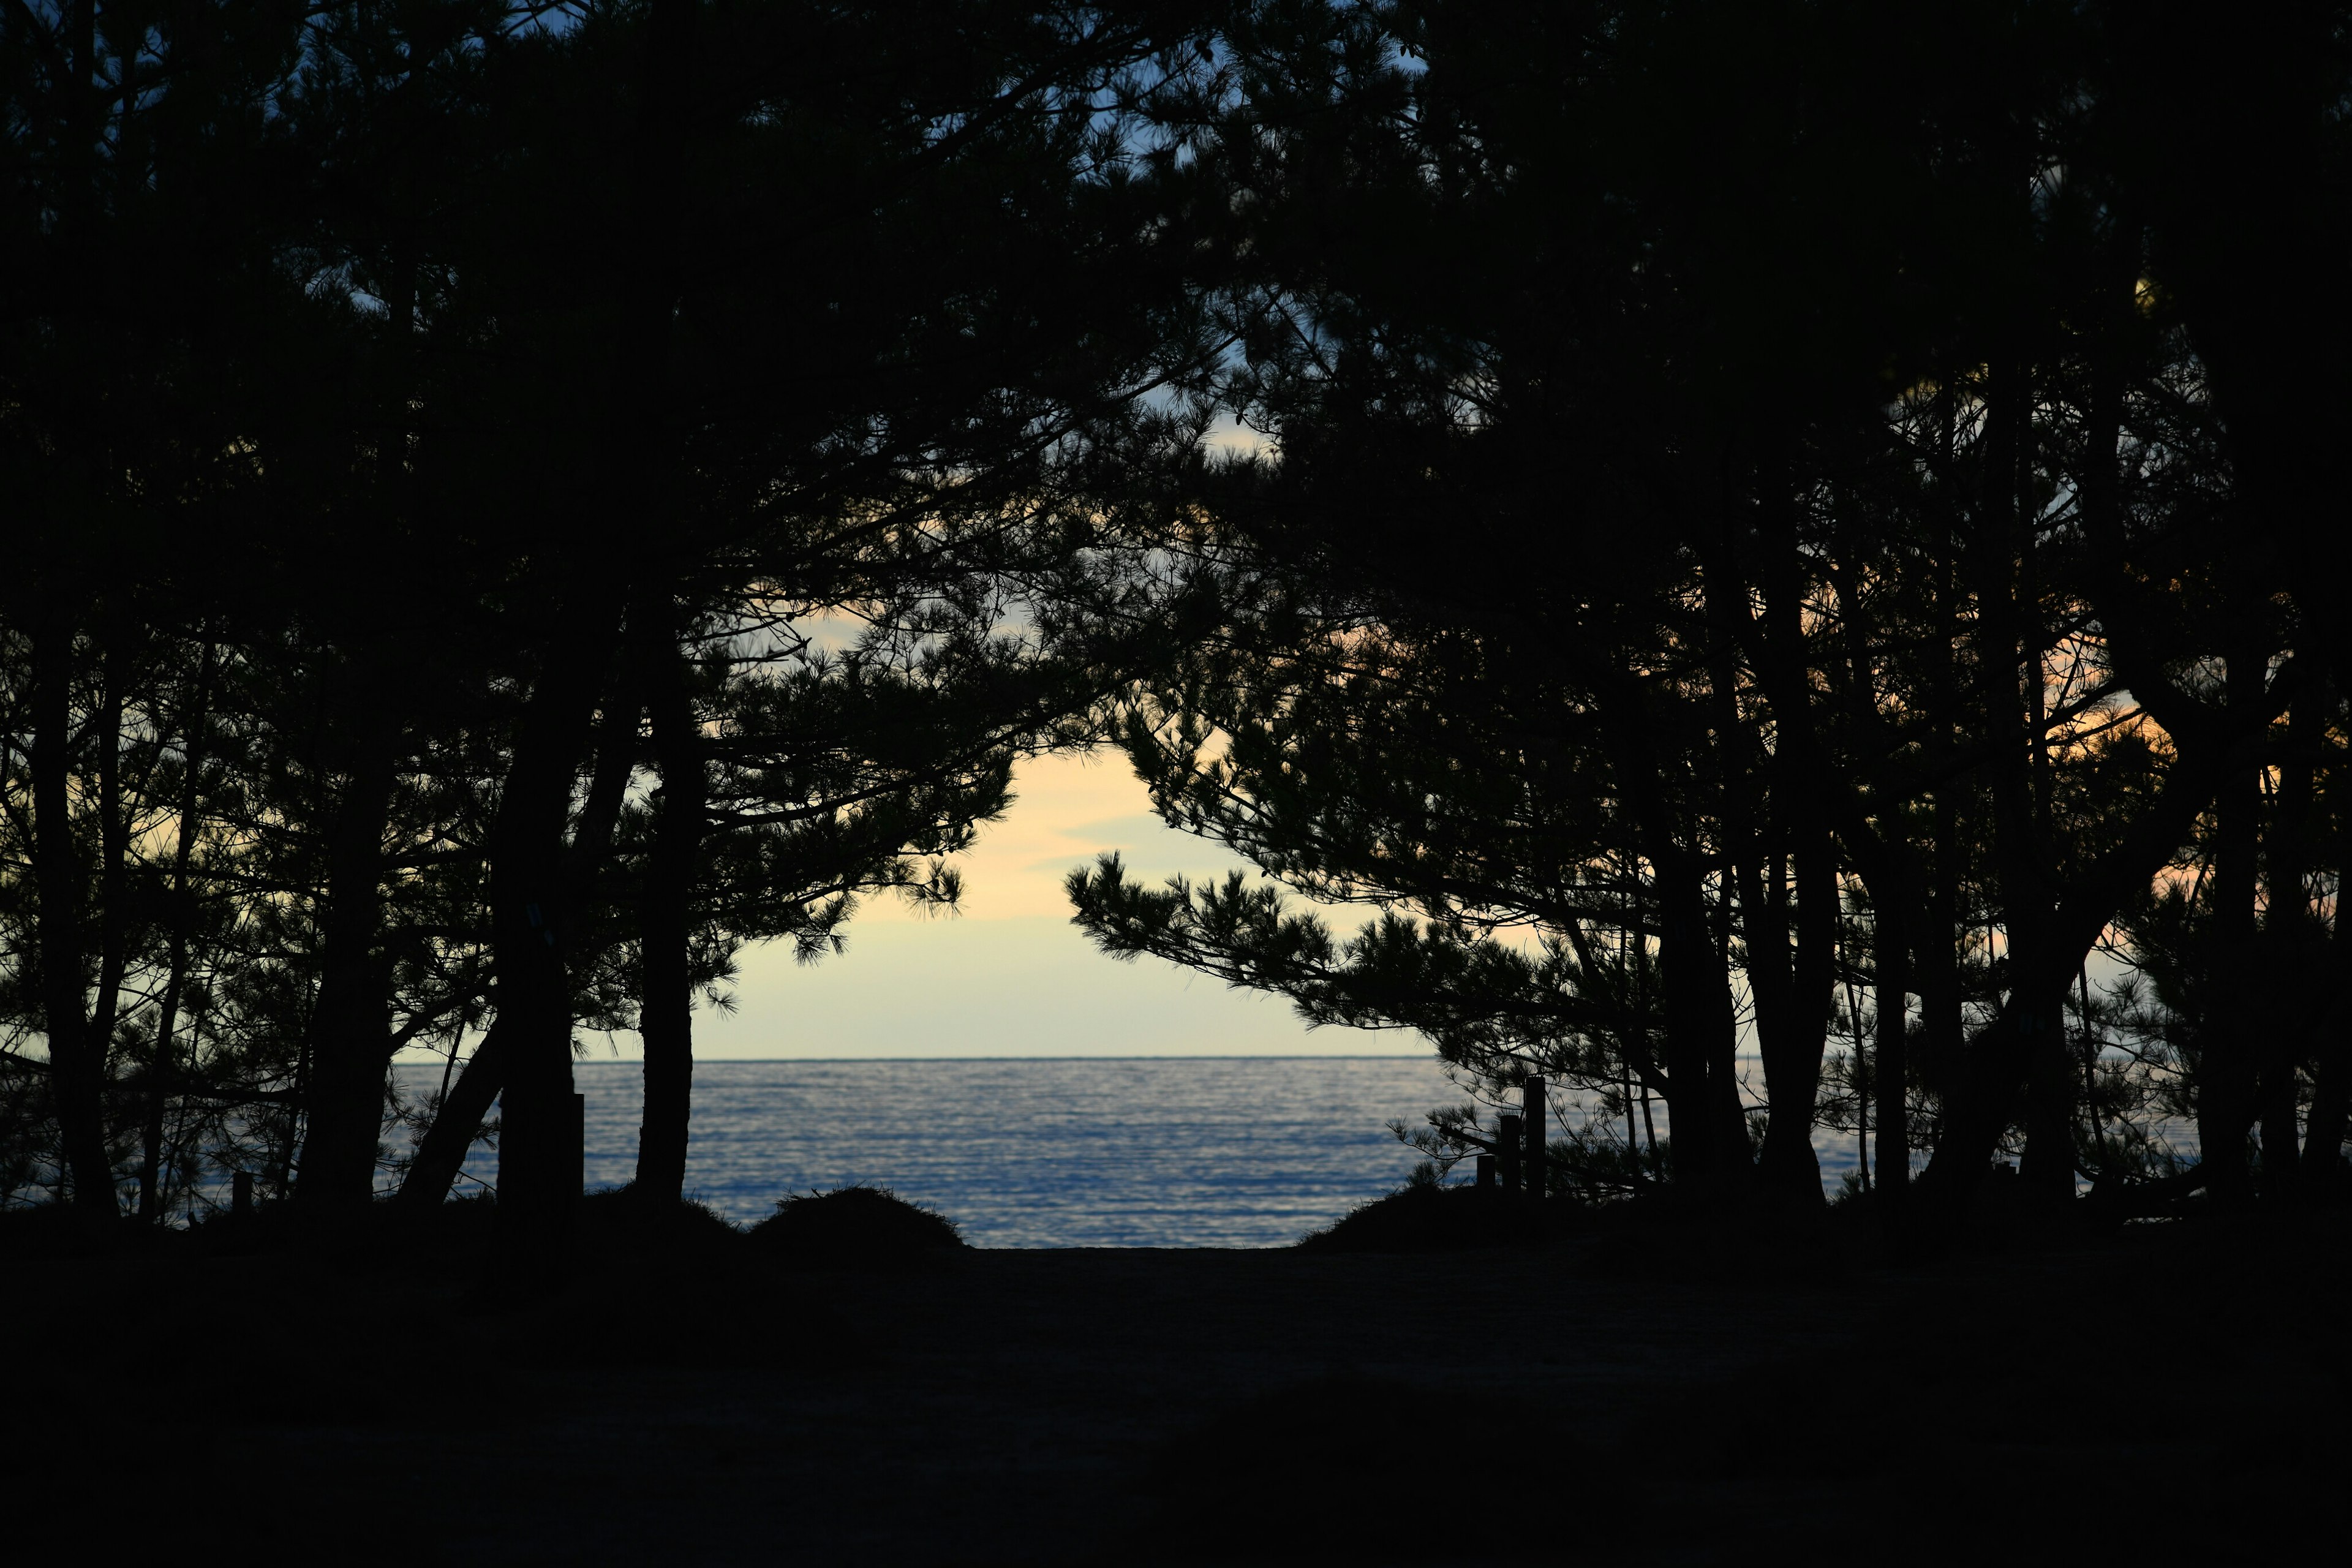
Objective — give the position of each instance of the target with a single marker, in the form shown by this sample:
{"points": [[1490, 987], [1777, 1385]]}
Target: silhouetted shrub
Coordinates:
{"points": [[644, 1284], [857, 1224], [618, 1220], [1421, 1219]]}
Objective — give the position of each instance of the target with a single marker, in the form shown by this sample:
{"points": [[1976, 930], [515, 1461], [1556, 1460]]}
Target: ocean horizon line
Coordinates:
{"points": [[1047, 1057]]}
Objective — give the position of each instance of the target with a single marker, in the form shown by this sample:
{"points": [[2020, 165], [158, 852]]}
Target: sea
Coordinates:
{"points": [[1060, 1152]]}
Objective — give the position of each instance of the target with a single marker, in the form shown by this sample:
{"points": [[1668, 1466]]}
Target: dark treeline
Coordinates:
{"points": [[1800, 524], [509, 503], [1785, 523]]}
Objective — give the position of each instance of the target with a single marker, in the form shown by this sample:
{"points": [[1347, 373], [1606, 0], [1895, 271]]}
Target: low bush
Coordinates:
{"points": [[616, 1220], [858, 1224], [1429, 1219]]}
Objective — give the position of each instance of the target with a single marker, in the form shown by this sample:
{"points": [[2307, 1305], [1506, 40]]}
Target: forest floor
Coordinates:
{"points": [[1664, 1397]]}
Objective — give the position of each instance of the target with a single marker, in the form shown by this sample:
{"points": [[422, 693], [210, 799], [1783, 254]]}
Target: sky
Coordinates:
{"points": [[1008, 975]]}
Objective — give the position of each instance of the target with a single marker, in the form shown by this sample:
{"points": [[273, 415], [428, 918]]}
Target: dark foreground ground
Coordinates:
{"points": [[2174, 1392]]}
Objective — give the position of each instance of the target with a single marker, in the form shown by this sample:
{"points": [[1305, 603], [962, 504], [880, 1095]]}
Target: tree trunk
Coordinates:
{"points": [[2278, 1112], [114, 856], [539, 1171], [1935, 947], [1709, 1126], [1792, 1051], [1891, 956], [77, 1061], [1761, 902], [2288, 938], [440, 1155], [2331, 1110], [2046, 1169], [1985, 1080], [539, 1174], [1689, 970], [2229, 1037], [2022, 795], [351, 1039], [161, 1061], [1805, 980], [1726, 1111], [665, 923]]}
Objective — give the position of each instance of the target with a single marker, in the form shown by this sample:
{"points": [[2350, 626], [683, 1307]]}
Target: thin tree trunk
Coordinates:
{"points": [[1641, 1011], [1937, 952], [1892, 878], [2094, 1123], [1725, 1109], [153, 1197], [1763, 915], [77, 1063], [2022, 795], [665, 1005], [2227, 1063], [1792, 1056], [114, 855], [1936, 947], [1690, 972], [1633, 1128], [2287, 928], [440, 1155], [2047, 1167], [1891, 984], [1861, 1106], [1860, 1075]]}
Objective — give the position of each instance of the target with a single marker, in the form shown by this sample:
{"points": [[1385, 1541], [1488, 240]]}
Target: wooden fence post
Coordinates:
{"points": [[240, 1192], [1508, 1140]]}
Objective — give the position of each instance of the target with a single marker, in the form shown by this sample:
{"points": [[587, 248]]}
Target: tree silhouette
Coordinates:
{"points": [[1665, 539], [1753, 509], [525, 454]]}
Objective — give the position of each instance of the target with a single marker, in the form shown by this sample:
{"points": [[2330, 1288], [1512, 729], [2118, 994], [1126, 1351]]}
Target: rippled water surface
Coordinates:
{"points": [[1167, 1151], [1091, 1153]]}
